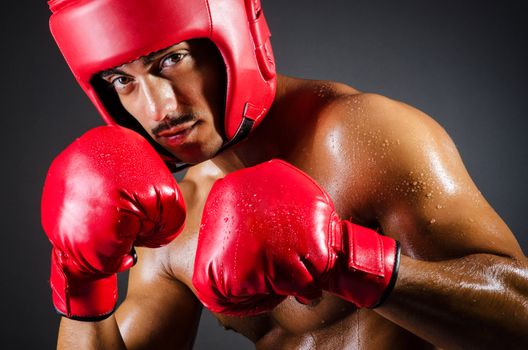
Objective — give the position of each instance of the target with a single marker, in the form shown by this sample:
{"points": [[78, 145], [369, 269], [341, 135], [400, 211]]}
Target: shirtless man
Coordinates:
{"points": [[385, 165]]}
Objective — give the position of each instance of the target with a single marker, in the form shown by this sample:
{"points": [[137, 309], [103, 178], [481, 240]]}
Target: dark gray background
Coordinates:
{"points": [[462, 62]]}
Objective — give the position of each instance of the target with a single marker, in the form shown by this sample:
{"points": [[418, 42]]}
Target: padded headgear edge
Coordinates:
{"points": [[95, 35]]}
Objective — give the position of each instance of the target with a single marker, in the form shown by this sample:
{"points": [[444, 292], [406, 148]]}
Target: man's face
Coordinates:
{"points": [[177, 95]]}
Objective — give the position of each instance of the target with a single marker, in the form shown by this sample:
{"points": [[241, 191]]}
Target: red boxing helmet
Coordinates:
{"points": [[96, 35]]}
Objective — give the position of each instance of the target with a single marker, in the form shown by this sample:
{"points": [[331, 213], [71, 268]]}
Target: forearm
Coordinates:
{"points": [[453, 303], [89, 335]]}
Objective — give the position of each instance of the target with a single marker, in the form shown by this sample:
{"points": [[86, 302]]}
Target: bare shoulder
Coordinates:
{"points": [[372, 115], [373, 137], [394, 164], [380, 136], [340, 108]]}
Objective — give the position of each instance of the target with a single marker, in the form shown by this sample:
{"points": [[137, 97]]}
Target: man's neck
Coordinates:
{"points": [[261, 145]]}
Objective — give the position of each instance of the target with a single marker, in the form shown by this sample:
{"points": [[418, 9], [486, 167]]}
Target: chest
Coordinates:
{"points": [[290, 316]]}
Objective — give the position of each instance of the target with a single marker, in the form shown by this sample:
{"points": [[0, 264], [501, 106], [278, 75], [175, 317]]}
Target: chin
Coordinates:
{"points": [[195, 155]]}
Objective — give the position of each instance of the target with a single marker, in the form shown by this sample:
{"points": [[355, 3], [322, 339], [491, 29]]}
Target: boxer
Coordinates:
{"points": [[317, 215]]}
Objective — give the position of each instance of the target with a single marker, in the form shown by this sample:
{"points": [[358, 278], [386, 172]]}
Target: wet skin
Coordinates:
{"points": [[386, 165], [175, 94]]}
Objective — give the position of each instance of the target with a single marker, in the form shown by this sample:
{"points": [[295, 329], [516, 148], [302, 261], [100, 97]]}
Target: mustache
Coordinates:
{"points": [[170, 122]]}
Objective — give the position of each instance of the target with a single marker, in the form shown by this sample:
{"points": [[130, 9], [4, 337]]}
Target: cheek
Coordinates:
{"points": [[135, 107]]}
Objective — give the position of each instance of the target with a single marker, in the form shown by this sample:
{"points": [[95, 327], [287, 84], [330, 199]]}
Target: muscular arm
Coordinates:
{"points": [[157, 313], [467, 273], [478, 301], [89, 335], [463, 279]]}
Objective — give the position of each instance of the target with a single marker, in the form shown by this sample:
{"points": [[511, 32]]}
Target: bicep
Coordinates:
{"points": [[159, 312], [448, 226], [431, 203]]}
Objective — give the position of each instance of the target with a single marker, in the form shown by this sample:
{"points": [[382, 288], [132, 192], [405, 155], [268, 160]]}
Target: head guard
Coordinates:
{"points": [[96, 35]]}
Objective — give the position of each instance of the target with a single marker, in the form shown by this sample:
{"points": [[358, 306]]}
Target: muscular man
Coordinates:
{"points": [[197, 79]]}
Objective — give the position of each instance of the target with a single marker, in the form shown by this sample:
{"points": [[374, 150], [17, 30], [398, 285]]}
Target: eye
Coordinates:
{"points": [[172, 59], [121, 83]]}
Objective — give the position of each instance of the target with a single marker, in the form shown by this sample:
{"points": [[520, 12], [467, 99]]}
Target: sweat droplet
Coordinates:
{"points": [[432, 221]]}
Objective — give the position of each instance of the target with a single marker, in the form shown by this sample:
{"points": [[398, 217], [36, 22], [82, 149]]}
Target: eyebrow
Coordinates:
{"points": [[111, 71], [154, 55], [146, 60]]}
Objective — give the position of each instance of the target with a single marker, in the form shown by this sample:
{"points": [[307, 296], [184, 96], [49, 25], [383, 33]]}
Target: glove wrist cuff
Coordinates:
{"points": [[368, 268], [82, 297]]}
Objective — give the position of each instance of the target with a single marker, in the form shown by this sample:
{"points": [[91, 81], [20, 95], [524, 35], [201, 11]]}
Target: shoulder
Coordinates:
{"points": [[383, 132], [400, 165], [368, 128], [370, 114], [358, 145], [339, 108]]}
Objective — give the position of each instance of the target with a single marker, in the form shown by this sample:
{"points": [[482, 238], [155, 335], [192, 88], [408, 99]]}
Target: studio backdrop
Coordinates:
{"points": [[461, 62]]}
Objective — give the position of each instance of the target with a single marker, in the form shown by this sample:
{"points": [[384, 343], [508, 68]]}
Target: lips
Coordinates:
{"points": [[175, 134], [173, 131]]}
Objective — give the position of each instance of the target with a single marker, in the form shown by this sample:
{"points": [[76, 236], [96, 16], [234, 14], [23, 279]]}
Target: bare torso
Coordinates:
{"points": [[386, 166], [328, 323]]}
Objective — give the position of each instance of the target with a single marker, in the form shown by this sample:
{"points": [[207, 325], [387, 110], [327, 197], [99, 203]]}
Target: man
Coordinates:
{"points": [[384, 165]]}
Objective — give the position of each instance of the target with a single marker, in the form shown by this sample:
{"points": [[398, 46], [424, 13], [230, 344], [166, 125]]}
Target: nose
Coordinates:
{"points": [[160, 99]]}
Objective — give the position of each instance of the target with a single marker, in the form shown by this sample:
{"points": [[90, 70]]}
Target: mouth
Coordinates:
{"points": [[176, 134]]}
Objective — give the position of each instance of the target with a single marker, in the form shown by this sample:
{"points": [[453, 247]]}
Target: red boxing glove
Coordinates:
{"points": [[270, 231], [105, 193]]}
